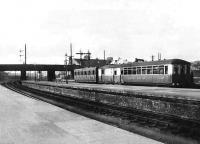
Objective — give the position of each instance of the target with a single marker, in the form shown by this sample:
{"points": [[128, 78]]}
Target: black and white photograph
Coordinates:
{"points": [[99, 72]]}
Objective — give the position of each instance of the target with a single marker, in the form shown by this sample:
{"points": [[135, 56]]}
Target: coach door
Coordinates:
{"points": [[116, 75]]}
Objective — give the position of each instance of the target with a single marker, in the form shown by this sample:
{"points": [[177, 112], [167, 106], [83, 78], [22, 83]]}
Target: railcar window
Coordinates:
{"points": [[179, 69], [185, 69], [175, 71], [138, 70], [93, 72], [102, 71], [161, 69], [115, 72], [85, 73], [166, 69], [188, 69], [182, 69], [144, 70], [155, 70], [89, 73]]}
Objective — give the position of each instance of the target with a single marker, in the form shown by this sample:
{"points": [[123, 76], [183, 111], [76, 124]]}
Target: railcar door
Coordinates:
{"points": [[178, 75]]}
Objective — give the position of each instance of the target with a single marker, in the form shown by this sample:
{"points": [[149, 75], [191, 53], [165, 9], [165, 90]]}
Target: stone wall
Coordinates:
{"points": [[169, 106]]}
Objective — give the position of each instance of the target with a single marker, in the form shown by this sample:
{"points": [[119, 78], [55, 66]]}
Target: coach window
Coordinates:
{"points": [[129, 71], [166, 69], [149, 70], [115, 72], [134, 70], [102, 72], [144, 70], [85, 72], [138, 70], [125, 71], [93, 72], [89, 73]]}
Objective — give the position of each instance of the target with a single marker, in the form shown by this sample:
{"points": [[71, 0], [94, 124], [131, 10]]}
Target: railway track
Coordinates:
{"points": [[164, 128]]}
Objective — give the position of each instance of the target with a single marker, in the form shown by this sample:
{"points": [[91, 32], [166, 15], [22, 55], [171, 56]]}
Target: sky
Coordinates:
{"points": [[123, 28]]}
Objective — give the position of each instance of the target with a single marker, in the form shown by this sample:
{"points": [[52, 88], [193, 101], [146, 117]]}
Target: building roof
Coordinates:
{"points": [[90, 63]]}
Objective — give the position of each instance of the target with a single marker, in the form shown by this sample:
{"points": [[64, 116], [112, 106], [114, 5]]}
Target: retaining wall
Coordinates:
{"points": [[166, 105]]}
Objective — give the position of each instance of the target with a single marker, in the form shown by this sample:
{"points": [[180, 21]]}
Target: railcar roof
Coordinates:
{"points": [[160, 62]]}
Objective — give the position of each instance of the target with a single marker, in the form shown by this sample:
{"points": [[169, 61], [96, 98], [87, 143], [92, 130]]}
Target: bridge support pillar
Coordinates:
{"points": [[23, 75], [51, 75]]}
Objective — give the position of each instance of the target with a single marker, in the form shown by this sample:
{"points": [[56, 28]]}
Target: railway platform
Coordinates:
{"points": [[29, 121], [178, 93]]}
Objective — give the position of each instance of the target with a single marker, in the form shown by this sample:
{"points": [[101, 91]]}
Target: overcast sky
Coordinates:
{"points": [[123, 28]]}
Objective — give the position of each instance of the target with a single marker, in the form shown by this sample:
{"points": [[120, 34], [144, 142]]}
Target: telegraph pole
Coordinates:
{"points": [[152, 57], [70, 54], [25, 53], [20, 51], [104, 55]]}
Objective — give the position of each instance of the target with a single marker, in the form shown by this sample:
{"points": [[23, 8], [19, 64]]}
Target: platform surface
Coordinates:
{"points": [[29, 121], [178, 93]]}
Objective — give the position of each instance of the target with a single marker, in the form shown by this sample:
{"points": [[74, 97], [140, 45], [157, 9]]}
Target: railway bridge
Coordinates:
{"points": [[37, 67]]}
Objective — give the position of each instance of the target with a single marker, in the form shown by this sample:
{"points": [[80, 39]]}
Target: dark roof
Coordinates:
{"points": [[91, 62], [160, 62]]}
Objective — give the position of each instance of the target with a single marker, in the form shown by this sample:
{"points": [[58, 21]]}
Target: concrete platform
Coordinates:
{"points": [[178, 93], [28, 121]]}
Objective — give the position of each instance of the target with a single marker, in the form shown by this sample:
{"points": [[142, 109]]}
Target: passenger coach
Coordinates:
{"points": [[89, 75], [172, 72]]}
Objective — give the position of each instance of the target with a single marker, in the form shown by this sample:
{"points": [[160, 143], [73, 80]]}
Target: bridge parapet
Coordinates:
{"points": [[37, 67]]}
